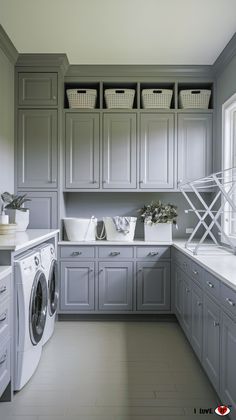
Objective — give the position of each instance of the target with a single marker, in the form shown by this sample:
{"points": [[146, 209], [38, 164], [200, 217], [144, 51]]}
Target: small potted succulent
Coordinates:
{"points": [[13, 205], [158, 219]]}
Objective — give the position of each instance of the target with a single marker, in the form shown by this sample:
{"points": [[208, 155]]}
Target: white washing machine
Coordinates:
{"points": [[49, 266], [30, 316]]}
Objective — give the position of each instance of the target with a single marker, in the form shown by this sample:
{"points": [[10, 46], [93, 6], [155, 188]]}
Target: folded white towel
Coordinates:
{"points": [[122, 224]]}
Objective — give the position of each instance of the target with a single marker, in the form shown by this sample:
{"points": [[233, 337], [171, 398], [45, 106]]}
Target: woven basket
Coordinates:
{"points": [[197, 98], [119, 98], [82, 98], [156, 98]]}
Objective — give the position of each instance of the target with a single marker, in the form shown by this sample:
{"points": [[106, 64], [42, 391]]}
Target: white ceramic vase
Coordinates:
{"points": [[159, 232], [21, 218]]}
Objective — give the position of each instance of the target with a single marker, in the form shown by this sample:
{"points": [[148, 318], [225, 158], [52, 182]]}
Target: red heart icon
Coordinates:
{"points": [[222, 409]]}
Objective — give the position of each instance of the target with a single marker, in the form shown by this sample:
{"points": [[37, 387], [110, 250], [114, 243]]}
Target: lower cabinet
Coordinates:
{"points": [[187, 306], [211, 340], [77, 286], [115, 286], [178, 292], [228, 365], [197, 320], [153, 286]]}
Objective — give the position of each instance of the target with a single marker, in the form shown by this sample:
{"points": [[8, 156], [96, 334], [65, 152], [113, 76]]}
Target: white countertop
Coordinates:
{"points": [[4, 271], [116, 243], [24, 240]]}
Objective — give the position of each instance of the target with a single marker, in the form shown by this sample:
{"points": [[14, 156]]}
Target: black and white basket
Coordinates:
{"points": [[119, 98], [82, 98], [195, 98], [156, 98]]}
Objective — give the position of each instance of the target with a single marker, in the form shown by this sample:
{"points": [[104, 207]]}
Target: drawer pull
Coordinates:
{"points": [[195, 272], [100, 271], [114, 254], [76, 253], [153, 254], [230, 302], [216, 324], [199, 303], [3, 317], [210, 284], [91, 270], [185, 265], [187, 290], [3, 359], [3, 289]]}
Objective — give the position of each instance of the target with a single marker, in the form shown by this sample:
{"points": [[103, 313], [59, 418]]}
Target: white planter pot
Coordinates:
{"points": [[159, 232], [21, 218]]}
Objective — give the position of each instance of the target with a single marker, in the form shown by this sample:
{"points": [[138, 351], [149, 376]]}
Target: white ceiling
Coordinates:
{"points": [[121, 31]]}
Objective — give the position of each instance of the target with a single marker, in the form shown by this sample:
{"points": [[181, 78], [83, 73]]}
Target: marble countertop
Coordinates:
{"points": [[4, 271], [27, 239]]}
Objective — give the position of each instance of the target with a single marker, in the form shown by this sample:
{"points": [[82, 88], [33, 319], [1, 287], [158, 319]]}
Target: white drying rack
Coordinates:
{"points": [[222, 185]]}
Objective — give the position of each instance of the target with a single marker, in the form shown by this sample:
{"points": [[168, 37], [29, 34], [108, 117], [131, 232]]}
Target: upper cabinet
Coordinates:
{"points": [[37, 154], [194, 146], [157, 151], [119, 151], [82, 150], [37, 89]]}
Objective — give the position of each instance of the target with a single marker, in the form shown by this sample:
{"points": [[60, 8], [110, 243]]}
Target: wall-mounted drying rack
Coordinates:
{"points": [[219, 211]]}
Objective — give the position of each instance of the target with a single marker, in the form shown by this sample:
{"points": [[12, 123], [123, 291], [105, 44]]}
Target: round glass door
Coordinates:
{"points": [[38, 307], [53, 289]]}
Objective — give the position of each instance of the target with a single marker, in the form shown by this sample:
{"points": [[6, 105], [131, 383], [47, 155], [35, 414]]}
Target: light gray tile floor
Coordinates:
{"points": [[114, 371]]}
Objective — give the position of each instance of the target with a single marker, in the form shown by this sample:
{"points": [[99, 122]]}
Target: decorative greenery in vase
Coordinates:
{"points": [[14, 202], [158, 212]]}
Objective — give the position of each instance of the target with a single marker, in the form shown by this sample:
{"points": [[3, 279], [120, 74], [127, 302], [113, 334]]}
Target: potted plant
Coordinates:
{"points": [[158, 219], [18, 214]]}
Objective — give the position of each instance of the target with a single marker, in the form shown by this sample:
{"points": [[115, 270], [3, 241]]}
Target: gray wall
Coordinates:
{"points": [[225, 87], [6, 124], [127, 204]]}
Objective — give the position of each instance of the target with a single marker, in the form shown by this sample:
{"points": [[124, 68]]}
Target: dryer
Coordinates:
{"points": [[49, 265], [30, 316]]}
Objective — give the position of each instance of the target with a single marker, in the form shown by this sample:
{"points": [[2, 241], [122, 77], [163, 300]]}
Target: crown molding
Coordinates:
{"points": [[139, 71], [43, 60], [226, 56], [7, 46]]}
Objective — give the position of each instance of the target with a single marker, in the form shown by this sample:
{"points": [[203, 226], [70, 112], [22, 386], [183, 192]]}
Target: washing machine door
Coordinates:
{"points": [[38, 307], [53, 289]]}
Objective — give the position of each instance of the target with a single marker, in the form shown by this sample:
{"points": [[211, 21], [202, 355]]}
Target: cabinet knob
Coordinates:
{"points": [[139, 270], [187, 290], [76, 253], [230, 302], [141, 182], [114, 254], [210, 284], [199, 303], [91, 270], [153, 254], [54, 97], [3, 317], [216, 324], [3, 289], [100, 271], [195, 272], [185, 265]]}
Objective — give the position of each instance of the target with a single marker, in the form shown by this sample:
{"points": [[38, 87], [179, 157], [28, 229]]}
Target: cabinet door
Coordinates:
{"points": [[119, 151], [178, 292], [194, 146], [211, 340], [43, 209], [153, 286], [77, 287], [82, 151], [228, 365], [115, 285], [37, 149], [38, 89], [157, 151], [187, 306], [197, 320]]}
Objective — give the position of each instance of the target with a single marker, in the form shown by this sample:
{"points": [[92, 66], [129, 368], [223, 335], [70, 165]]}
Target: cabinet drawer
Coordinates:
{"points": [[228, 298], [4, 366], [5, 320], [77, 252], [38, 89], [196, 272], [116, 252], [153, 253], [5, 285], [212, 285]]}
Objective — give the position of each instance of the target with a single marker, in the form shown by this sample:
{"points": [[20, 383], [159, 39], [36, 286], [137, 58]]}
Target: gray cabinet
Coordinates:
{"points": [[77, 286], [228, 365], [197, 320], [119, 151], [37, 89], [178, 292], [37, 149], [157, 151], [43, 209], [82, 150], [194, 146], [115, 286], [187, 306], [153, 286], [211, 341]]}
